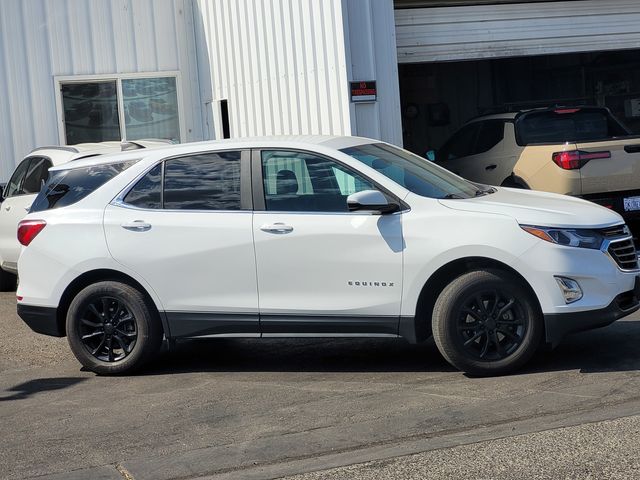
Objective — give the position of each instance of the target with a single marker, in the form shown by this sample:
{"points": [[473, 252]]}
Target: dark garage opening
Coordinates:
{"points": [[437, 98]]}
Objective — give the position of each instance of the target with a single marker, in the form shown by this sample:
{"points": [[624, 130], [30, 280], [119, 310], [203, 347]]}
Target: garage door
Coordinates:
{"points": [[513, 30]]}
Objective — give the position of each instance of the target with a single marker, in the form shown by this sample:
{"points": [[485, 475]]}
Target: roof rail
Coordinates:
{"points": [[127, 145], [65, 148]]}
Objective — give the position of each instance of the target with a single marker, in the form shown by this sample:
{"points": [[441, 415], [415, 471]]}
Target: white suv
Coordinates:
{"points": [[312, 236], [21, 190]]}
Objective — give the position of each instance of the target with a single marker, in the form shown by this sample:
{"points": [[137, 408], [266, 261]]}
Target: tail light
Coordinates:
{"points": [[29, 229], [575, 159]]}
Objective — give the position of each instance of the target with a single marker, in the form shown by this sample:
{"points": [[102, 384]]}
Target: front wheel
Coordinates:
{"points": [[486, 323], [112, 329]]}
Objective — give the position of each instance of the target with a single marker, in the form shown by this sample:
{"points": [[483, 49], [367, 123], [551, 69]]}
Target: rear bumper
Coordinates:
{"points": [[41, 319], [559, 325]]}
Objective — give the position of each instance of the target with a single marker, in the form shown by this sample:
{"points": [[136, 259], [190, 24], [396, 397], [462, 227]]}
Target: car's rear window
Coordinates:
{"points": [[66, 187], [568, 125]]}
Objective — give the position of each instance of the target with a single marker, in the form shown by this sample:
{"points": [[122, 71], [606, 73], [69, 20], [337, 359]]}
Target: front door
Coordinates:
{"points": [[186, 229], [322, 269]]}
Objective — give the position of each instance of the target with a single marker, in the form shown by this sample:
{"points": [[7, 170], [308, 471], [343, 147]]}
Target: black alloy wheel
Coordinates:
{"points": [[108, 329], [491, 325], [113, 328], [487, 322]]}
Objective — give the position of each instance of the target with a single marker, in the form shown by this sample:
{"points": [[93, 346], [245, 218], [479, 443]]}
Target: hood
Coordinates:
{"points": [[539, 208]]}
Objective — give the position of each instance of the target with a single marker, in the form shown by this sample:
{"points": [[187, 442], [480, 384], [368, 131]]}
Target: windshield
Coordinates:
{"points": [[412, 172]]}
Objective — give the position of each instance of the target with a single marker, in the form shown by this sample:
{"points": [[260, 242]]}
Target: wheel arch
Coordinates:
{"points": [[102, 275], [514, 180], [418, 328]]}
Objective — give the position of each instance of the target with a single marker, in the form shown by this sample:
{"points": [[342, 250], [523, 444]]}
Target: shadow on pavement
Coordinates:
{"points": [[32, 387], [609, 349]]}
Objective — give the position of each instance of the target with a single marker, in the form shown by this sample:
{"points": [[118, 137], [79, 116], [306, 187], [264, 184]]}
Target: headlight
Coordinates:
{"points": [[570, 237]]}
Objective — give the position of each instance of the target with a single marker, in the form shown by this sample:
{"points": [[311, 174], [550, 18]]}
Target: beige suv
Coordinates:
{"points": [[581, 151]]}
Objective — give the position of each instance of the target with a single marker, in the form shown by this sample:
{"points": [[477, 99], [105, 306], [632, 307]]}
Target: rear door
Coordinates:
{"points": [[185, 227], [24, 185]]}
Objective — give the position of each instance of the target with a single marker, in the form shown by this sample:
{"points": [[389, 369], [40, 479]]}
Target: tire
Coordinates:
{"points": [[120, 342], [486, 323], [8, 281]]}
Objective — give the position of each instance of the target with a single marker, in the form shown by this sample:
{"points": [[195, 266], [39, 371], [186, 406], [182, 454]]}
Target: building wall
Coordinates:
{"points": [[280, 64], [372, 55], [41, 39]]}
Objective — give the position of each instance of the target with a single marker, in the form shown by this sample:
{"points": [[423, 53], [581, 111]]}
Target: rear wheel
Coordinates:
{"points": [[112, 329], [486, 323], [8, 281]]}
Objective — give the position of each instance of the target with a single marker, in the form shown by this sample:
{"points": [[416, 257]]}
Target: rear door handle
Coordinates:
{"points": [[137, 226], [279, 228], [490, 167]]}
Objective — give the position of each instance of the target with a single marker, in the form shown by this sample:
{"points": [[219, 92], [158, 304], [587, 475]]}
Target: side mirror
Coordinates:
{"points": [[430, 155], [371, 200]]}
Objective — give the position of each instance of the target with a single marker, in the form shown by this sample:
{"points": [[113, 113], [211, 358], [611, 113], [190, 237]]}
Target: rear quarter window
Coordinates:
{"points": [[66, 187]]}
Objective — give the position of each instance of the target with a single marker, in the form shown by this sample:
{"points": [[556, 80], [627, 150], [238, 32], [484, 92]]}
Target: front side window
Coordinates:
{"points": [[209, 181], [69, 186], [14, 187], [412, 172], [303, 182], [92, 112], [37, 175]]}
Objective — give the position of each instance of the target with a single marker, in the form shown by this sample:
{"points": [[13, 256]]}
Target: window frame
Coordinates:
{"points": [[118, 78], [257, 179], [246, 201]]}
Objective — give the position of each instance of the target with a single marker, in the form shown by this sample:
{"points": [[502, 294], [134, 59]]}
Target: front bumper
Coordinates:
{"points": [[558, 325], [41, 319]]}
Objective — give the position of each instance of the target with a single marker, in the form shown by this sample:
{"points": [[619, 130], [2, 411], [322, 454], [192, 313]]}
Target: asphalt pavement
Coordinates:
{"points": [[340, 408]]}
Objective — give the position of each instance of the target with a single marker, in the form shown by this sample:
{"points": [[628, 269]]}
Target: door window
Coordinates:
{"points": [[208, 181], [461, 144], [296, 181], [37, 175], [14, 187], [491, 134]]}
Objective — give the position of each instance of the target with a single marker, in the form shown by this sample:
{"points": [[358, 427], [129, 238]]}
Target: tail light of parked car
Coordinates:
{"points": [[29, 229], [575, 159]]}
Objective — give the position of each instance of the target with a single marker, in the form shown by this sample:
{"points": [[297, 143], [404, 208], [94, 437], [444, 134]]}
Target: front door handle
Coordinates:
{"points": [[490, 167], [279, 228], [137, 226], [7, 208]]}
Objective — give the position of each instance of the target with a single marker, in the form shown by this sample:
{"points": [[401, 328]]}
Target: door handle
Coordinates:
{"points": [[279, 228], [488, 168], [7, 208], [137, 226]]}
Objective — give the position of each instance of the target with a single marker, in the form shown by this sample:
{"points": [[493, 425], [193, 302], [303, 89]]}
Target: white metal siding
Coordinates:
{"points": [[280, 64], [40, 39], [371, 42], [486, 31]]}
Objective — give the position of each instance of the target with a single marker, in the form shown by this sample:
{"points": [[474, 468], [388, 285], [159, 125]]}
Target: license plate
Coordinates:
{"points": [[631, 204]]}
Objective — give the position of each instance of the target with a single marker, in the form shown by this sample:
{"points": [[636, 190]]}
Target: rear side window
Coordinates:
{"points": [[491, 134], [569, 125], [461, 144], [66, 187]]}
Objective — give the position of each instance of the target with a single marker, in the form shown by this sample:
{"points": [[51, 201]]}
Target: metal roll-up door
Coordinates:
{"points": [[513, 30]]}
